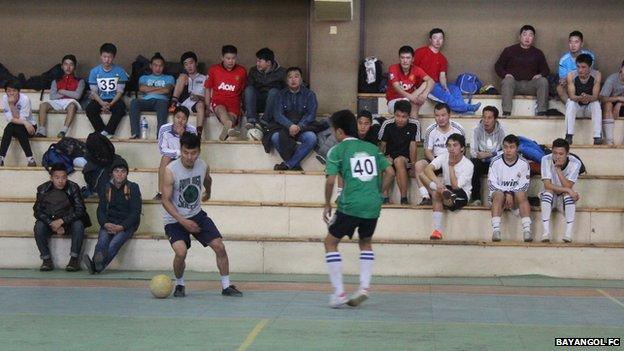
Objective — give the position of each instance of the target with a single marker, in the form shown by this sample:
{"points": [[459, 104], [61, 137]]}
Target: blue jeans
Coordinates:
{"points": [[137, 105], [307, 140], [43, 233], [109, 244], [255, 101]]}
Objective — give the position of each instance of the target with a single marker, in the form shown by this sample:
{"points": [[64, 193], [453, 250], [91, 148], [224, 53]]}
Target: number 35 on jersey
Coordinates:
{"points": [[107, 84], [363, 167]]}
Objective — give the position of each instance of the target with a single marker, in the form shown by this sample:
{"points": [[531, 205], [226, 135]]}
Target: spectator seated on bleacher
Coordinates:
{"points": [[560, 171], [64, 96], [264, 82], [523, 70], [119, 216], [583, 96], [433, 62], [189, 90], [612, 96], [453, 191], [406, 81], [508, 182], [567, 62], [398, 137], [156, 88], [435, 144], [107, 82], [224, 88], [487, 142], [169, 142], [295, 114], [21, 124], [60, 209]]}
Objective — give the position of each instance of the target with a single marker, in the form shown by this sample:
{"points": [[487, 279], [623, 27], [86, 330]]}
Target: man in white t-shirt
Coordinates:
{"points": [[454, 191], [508, 182], [560, 171], [435, 144]]}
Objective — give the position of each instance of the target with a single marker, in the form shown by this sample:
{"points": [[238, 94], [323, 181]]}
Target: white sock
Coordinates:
{"points": [[367, 258], [608, 124], [569, 207], [496, 221], [547, 200], [526, 223], [180, 281], [105, 133], [225, 281], [334, 266], [437, 221], [423, 192]]}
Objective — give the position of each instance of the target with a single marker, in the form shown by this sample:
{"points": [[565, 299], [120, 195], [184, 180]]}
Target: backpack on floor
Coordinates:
{"points": [[468, 83], [53, 155], [71, 147], [100, 150]]}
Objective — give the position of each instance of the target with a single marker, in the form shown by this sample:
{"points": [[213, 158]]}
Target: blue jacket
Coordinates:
{"points": [[299, 107]]}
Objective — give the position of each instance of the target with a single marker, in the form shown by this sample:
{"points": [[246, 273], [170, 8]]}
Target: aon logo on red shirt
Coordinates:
{"points": [[228, 87]]}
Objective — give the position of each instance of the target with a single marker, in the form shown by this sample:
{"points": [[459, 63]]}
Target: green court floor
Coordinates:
{"points": [[62, 311]]}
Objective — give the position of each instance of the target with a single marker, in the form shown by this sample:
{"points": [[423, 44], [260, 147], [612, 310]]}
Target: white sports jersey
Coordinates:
{"points": [[436, 140], [463, 172], [514, 177], [196, 84], [187, 189], [570, 171]]}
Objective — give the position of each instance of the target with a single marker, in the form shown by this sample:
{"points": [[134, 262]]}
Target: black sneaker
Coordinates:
{"points": [[231, 291], [61, 134], [88, 264], [179, 291], [542, 113], [47, 265], [280, 167], [321, 159], [386, 200], [157, 197], [404, 201], [98, 261], [297, 168], [506, 114], [425, 202], [568, 138]]}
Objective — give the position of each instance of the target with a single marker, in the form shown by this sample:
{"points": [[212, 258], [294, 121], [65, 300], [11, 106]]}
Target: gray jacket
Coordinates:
{"points": [[484, 141]]}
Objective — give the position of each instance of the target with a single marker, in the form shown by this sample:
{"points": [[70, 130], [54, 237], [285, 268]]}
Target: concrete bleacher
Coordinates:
{"points": [[271, 220]]}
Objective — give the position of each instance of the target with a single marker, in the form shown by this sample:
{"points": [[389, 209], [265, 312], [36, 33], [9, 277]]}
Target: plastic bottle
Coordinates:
{"points": [[144, 127]]}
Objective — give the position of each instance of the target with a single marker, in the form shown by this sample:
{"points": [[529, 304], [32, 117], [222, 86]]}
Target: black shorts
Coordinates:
{"points": [[208, 231], [344, 225], [461, 199], [408, 164]]}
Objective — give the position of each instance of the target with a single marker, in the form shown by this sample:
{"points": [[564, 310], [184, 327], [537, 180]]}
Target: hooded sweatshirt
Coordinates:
{"points": [[484, 141], [271, 78]]}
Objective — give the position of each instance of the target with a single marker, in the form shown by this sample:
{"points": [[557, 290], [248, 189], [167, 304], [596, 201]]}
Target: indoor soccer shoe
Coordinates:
{"points": [[231, 291], [337, 301], [179, 291], [545, 238], [527, 236], [436, 235], [357, 298], [496, 236]]}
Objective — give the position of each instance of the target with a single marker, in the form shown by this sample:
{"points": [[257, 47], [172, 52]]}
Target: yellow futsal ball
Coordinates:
{"points": [[161, 286]]}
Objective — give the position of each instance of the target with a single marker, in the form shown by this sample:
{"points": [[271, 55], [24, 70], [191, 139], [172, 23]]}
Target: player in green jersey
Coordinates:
{"points": [[361, 165]]}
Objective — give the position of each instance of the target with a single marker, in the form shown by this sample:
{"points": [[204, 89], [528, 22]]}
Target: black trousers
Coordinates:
{"points": [[118, 110], [481, 168], [20, 133]]}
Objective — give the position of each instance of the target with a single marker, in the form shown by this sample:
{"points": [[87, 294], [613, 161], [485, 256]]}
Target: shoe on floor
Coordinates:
{"points": [[337, 301], [321, 159], [280, 167], [233, 132], [88, 264], [598, 141], [425, 202], [73, 265], [476, 203], [496, 236], [356, 299], [545, 238], [249, 125], [404, 201], [61, 134], [158, 197], [47, 265], [527, 236], [568, 138], [231, 291], [179, 291], [386, 201], [436, 235], [224, 134], [32, 163], [567, 239]]}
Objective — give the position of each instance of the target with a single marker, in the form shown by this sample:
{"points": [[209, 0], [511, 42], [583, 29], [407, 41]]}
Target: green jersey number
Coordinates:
{"points": [[363, 168]]}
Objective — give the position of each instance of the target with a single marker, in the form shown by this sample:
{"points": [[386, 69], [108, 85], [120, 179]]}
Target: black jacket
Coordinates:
{"points": [[274, 77], [124, 207], [78, 210]]}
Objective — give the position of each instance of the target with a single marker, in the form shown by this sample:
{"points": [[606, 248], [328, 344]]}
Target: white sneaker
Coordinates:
{"points": [[496, 236], [337, 301], [358, 297], [528, 237], [567, 238], [545, 238]]}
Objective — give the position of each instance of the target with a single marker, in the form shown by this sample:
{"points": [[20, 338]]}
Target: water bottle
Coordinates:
{"points": [[144, 127]]}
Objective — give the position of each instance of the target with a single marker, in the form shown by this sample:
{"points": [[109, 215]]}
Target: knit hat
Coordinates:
{"points": [[119, 162]]}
